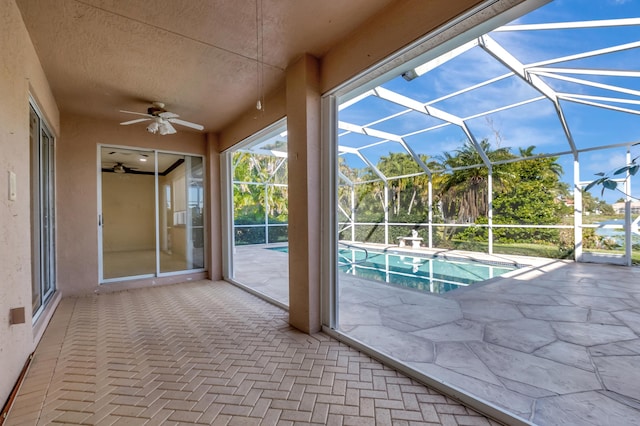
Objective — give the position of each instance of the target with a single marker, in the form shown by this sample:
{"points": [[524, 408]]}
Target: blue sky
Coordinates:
{"points": [[535, 123]]}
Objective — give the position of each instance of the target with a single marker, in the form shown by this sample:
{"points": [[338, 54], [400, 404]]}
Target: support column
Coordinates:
{"points": [[212, 208], [303, 127]]}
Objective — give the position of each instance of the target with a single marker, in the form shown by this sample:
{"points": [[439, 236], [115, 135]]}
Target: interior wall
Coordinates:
{"points": [[77, 186], [20, 75], [128, 212]]}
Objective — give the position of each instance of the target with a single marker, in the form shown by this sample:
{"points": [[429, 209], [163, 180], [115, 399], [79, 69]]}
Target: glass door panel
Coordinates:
{"points": [[128, 217], [47, 201], [34, 132], [181, 203], [43, 163]]}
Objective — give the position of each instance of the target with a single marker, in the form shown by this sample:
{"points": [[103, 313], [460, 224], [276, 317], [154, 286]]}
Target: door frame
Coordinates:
{"points": [[43, 186], [157, 189]]}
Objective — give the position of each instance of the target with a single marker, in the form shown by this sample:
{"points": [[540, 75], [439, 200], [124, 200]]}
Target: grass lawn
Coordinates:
{"points": [[533, 250]]}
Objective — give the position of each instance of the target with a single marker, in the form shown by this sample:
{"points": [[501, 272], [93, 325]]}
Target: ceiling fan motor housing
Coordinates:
{"points": [[155, 110]]}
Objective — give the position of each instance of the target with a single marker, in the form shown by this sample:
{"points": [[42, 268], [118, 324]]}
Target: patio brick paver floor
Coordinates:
{"points": [[209, 353], [558, 343]]}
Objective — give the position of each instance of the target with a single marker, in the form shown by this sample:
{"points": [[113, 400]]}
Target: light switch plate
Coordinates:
{"points": [[12, 186]]}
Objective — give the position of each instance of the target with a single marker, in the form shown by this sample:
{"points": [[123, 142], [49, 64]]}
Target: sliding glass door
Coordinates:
{"points": [[43, 160], [151, 213]]}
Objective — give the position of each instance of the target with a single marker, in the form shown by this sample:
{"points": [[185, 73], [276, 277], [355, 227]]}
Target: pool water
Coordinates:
{"points": [[284, 249], [430, 274]]}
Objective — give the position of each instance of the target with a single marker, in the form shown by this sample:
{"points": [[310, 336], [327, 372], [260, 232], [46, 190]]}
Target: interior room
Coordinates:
{"points": [[180, 228]]}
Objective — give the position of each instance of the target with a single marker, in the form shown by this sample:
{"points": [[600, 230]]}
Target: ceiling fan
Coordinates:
{"points": [[120, 168], [161, 120]]}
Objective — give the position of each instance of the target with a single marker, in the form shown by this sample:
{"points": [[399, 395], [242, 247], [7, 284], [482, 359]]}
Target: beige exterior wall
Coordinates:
{"points": [[400, 24], [77, 185], [20, 75], [303, 126], [213, 215]]}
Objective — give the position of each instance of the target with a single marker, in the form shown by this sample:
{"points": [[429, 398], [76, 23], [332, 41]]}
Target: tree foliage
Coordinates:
{"points": [[254, 190], [525, 192]]}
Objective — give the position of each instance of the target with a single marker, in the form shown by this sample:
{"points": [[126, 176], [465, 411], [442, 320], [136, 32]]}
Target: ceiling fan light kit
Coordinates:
{"points": [[161, 120]]}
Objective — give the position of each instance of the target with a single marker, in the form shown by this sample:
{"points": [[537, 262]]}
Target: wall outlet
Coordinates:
{"points": [[16, 316]]}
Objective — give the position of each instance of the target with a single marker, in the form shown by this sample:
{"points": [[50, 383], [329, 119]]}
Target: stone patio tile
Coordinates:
{"points": [[630, 318], [525, 389], [457, 357], [399, 345], [634, 302], [626, 283], [555, 312], [567, 353], [600, 303], [368, 295], [358, 313], [584, 409], [535, 371], [400, 326], [523, 288], [620, 374], [592, 334], [562, 301], [601, 317], [630, 402], [486, 310], [628, 347], [461, 330], [517, 403], [586, 290], [439, 311], [516, 298], [525, 335]]}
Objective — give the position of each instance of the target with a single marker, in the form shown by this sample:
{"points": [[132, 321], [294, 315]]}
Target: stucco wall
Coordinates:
{"points": [[77, 185], [20, 74]]}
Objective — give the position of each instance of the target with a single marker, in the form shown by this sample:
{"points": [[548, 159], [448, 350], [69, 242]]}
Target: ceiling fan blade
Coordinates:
{"points": [[137, 113], [186, 123], [168, 114], [167, 129], [137, 120]]}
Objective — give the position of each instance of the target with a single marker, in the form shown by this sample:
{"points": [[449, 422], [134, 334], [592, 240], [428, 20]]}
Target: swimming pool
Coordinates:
{"points": [[430, 273]]}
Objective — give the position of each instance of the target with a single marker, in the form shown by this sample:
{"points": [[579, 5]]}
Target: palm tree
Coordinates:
{"points": [[464, 192]]}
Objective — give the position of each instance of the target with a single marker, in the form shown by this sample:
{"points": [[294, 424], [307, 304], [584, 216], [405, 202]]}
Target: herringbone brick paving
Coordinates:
{"points": [[210, 353]]}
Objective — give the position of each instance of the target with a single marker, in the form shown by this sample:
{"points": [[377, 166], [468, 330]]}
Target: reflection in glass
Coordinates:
{"points": [[181, 205]]}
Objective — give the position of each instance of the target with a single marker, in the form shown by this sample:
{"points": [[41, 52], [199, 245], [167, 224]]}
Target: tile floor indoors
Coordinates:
{"points": [[209, 353], [555, 343]]}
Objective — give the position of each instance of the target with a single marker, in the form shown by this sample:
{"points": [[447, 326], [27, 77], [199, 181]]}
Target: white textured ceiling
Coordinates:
{"points": [[197, 56]]}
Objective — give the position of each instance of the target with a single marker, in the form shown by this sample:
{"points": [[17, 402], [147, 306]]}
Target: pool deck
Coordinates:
{"points": [[556, 342]]}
